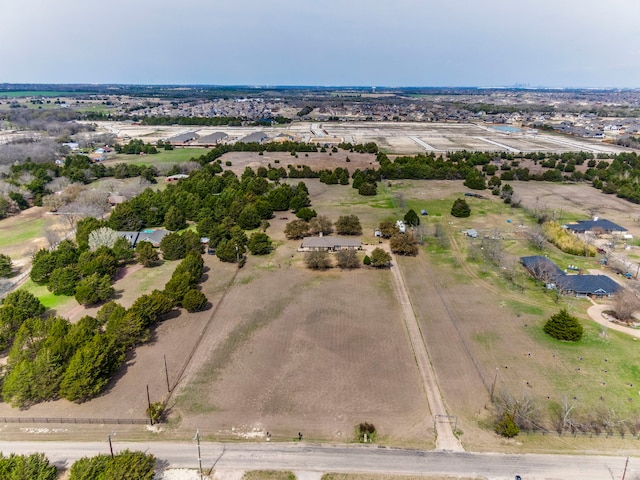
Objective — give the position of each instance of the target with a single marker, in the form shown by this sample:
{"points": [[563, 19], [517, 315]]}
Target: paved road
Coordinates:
{"points": [[364, 459], [445, 440]]}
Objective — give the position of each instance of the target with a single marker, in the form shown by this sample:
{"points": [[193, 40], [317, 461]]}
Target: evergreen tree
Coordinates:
{"points": [[563, 326], [460, 208]]}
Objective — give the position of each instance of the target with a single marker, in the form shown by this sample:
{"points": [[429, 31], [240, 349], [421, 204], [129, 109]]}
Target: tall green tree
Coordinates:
{"points": [[174, 219], [6, 265], [348, 225], [411, 218], [173, 246], [94, 289], [146, 254], [460, 208], [259, 243], [563, 326]]}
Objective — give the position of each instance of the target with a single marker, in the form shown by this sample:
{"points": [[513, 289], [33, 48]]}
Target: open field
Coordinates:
{"points": [[163, 157], [292, 350]]}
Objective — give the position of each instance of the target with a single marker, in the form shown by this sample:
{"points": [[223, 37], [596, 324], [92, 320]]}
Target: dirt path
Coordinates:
{"points": [[446, 440]]}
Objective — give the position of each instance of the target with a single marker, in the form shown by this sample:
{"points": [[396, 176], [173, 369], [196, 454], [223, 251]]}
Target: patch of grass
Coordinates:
{"points": [[20, 232], [598, 366], [487, 339], [191, 398], [246, 280], [519, 308], [177, 155], [47, 298], [148, 279], [268, 475]]}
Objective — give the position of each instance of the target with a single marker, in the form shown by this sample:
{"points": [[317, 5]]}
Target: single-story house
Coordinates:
{"points": [[175, 178], [183, 138], [256, 137], [153, 236], [213, 139], [587, 285], [541, 268], [597, 225], [131, 236], [329, 244]]}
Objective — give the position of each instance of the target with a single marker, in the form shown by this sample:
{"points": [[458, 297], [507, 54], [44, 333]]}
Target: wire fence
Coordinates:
{"points": [[86, 421]]}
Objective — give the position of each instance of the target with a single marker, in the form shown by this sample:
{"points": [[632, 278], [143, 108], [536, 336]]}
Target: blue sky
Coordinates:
{"points": [[553, 43]]}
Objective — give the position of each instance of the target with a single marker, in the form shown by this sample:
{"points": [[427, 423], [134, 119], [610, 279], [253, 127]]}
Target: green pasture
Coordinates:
{"points": [[598, 371], [177, 155], [47, 298], [601, 371], [19, 232]]}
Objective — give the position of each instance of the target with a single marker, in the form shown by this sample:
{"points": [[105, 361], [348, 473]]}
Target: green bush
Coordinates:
{"points": [[126, 465], [194, 301], [507, 426], [21, 467], [563, 326], [367, 429]]}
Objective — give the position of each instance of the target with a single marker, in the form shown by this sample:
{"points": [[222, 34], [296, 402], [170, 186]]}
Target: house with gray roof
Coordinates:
{"points": [[255, 137], [329, 244], [183, 138], [543, 269], [213, 139], [597, 225], [151, 235]]}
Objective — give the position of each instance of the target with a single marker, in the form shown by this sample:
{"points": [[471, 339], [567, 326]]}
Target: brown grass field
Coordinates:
{"points": [[288, 350]]}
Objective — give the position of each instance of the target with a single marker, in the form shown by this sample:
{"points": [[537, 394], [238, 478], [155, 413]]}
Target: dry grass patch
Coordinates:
{"points": [[268, 475]]}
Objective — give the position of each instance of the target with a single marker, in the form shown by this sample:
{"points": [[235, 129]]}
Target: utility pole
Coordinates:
{"points": [[111, 444], [149, 403], [493, 385], [166, 372], [624, 473], [197, 438]]}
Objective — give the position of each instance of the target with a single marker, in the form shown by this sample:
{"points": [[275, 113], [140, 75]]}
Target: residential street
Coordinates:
{"points": [[302, 457]]}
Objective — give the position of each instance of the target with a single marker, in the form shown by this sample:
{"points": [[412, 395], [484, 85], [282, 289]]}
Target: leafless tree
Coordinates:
{"points": [[524, 410], [58, 184], [51, 236], [626, 303], [565, 419], [536, 238], [492, 250]]}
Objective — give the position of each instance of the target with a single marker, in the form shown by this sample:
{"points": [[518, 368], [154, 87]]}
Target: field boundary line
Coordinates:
{"points": [[205, 329], [445, 437]]}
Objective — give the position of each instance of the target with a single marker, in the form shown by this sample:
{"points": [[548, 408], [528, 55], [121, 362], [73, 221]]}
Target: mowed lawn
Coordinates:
{"points": [[163, 157], [15, 232]]}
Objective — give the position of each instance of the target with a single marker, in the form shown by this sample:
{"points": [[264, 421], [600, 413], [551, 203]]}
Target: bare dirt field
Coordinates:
{"points": [[292, 352], [315, 161], [580, 199], [393, 137]]}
